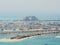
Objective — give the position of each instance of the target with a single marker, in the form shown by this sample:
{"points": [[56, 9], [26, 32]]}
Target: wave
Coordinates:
{"points": [[57, 36]]}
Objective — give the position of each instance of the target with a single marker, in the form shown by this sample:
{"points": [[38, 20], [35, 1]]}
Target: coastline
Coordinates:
{"points": [[21, 39], [18, 38], [14, 40]]}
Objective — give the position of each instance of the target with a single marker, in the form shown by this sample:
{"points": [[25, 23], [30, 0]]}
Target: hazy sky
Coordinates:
{"points": [[18, 9]]}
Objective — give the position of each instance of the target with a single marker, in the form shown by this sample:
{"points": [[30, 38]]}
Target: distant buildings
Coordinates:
{"points": [[29, 23], [30, 18]]}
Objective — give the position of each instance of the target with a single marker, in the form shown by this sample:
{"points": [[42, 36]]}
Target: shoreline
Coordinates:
{"points": [[14, 40], [18, 38]]}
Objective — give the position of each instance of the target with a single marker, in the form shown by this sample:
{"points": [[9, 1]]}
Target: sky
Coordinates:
{"points": [[18, 9]]}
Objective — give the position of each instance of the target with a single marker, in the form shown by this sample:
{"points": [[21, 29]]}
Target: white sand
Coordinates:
{"points": [[14, 40], [11, 40]]}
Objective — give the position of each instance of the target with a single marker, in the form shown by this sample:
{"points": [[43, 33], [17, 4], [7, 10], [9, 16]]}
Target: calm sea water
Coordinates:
{"points": [[38, 40]]}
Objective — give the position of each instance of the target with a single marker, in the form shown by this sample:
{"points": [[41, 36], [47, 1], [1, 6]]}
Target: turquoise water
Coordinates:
{"points": [[38, 40]]}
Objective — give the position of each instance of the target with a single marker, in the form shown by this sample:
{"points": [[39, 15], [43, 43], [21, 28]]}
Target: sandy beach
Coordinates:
{"points": [[11, 40], [14, 40]]}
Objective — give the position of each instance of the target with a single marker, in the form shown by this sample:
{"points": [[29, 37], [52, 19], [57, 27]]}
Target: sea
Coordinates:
{"points": [[49, 39]]}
